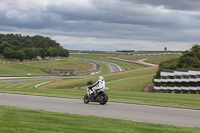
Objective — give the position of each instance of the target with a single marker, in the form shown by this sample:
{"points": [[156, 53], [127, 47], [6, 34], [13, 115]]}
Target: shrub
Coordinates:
{"points": [[90, 82]]}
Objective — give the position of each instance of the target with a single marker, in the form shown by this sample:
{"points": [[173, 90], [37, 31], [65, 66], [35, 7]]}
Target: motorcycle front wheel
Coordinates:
{"points": [[86, 99], [103, 99]]}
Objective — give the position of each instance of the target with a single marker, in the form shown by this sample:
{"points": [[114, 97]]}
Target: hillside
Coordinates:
{"points": [[11, 68], [128, 80]]}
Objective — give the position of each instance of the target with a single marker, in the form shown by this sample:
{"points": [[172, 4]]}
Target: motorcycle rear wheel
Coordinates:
{"points": [[104, 100]]}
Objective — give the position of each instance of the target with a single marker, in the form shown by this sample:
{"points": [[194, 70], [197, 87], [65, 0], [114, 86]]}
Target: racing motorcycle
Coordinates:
{"points": [[97, 95]]}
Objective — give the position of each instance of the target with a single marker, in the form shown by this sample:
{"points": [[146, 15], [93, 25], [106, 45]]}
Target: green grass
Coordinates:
{"points": [[4, 60], [36, 77], [33, 67], [189, 101], [156, 59], [70, 64], [127, 80], [17, 120], [27, 88], [14, 69], [104, 68], [135, 83]]}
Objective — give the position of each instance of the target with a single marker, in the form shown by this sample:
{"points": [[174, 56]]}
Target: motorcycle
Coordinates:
{"points": [[100, 96]]}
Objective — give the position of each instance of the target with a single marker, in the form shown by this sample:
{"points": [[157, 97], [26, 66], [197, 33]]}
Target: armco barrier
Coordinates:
{"points": [[154, 54], [38, 85]]}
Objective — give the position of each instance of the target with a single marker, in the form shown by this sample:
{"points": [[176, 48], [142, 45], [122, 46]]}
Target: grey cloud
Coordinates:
{"points": [[147, 20], [190, 5], [55, 15], [133, 12]]}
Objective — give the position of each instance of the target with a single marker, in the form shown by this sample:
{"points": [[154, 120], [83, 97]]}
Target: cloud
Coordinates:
{"points": [[12, 14], [112, 24], [90, 43], [128, 8], [188, 5]]}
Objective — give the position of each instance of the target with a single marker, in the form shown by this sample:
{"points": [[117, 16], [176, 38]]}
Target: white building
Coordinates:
{"points": [[178, 81]]}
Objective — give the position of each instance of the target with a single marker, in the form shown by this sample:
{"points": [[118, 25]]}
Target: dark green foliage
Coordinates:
{"points": [[188, 62], [8, 52], [169, 64], [90, 82], [189, 59], [26, 47]]}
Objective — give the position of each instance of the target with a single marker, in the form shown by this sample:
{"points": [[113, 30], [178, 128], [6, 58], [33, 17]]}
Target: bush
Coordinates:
{"points": [[170, 64], [90, 82]]}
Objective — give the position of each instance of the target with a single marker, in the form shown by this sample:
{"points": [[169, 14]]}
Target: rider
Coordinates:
{"points": [[101, 83]]}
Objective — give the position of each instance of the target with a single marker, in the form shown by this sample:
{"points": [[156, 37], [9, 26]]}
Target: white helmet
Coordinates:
{"points": [[101, 78]]}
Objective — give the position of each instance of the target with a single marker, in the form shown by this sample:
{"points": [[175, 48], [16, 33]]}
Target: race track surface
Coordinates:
{"points": [[164, 115]]}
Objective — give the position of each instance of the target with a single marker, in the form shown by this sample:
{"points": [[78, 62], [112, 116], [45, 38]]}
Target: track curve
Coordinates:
{"points": [[113, 67]]}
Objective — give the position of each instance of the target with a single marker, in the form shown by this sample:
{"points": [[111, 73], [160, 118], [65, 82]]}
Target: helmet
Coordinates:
{"points": [[101, 78]]}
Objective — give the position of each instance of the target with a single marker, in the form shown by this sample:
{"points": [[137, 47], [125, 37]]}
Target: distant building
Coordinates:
{"points": [[178, 81], [39, 58], [125, 51], [61, 72]]}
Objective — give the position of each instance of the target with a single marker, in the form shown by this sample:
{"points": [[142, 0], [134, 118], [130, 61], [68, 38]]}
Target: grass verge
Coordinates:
{"points": [[17, 120]]}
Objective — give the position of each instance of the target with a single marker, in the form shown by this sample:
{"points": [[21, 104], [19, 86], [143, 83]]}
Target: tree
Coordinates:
{"points": [[63, 52], [188, 62], [26, 47], [20, 55], [53, 52], [3, 45], [9, 52], [27, 52], [190, 58], [42, 52], [169, 64], [196, 51]]}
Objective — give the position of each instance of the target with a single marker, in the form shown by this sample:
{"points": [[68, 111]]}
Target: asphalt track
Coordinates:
{"points": [[142, 113], [113, 67]]}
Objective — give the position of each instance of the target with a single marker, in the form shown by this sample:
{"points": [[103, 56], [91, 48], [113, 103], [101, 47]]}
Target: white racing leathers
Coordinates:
{"points": [[101, 86]]}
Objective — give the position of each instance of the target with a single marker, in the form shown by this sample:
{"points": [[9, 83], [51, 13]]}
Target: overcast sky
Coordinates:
{"points": [[106, 24]]}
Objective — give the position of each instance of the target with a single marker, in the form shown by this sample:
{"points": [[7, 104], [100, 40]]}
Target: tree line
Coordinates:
{"points": [[16, 46], [189, 59]]}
